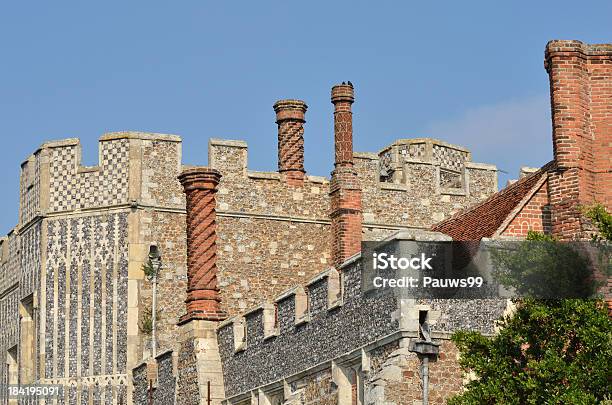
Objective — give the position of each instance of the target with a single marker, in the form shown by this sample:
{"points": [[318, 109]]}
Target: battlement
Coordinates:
{"points": [[329, 317], [53, 179], [329, 306], [135, 166], [451, 161], [292, 308]]}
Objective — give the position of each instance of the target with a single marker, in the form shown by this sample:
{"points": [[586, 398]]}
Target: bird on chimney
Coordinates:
{"points": [[349, 83]]}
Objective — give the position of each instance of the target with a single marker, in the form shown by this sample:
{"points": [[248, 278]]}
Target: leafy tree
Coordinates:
{"points": [[546, 352], [542, 267], [602, 220], [146, 321], [148, 269]]}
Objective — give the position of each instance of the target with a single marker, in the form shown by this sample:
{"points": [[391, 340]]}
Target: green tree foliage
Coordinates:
{"points": [[546, 352], [148, 269], [602, 220], [146, 320], [542, 267]]}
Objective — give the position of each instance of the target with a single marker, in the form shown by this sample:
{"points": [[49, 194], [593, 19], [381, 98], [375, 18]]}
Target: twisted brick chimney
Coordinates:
{"points": [[203, 300], [581, 94], [290, 120], [345, 190]]}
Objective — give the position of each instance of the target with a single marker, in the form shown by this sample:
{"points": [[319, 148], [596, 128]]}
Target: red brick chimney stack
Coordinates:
{"points": [[290, 120], [203, 300], [342, 97], [345, 190], [581, 102]]}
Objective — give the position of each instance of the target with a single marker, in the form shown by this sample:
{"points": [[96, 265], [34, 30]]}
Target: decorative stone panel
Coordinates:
{"points": [[74, 187]]}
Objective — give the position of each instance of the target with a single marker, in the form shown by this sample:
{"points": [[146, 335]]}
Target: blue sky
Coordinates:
{"points": [[469, 73]]}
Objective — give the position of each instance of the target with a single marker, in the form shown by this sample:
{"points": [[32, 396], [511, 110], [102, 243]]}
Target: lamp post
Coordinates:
{"points": [[155, 259]]}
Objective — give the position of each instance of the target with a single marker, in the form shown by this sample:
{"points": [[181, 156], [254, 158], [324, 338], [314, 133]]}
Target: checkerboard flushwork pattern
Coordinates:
{"points": [[450, 159], [70, 190], [413, 150]]}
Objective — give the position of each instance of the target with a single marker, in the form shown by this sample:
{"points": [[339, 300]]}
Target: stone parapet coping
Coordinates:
{"points": [[227, 142], [480, 166], [149, 136]]}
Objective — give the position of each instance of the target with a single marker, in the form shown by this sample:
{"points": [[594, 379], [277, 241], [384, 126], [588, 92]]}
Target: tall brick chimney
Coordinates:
{"points": [[345, 190], [581, 101], [290, 120], [203, 300]]}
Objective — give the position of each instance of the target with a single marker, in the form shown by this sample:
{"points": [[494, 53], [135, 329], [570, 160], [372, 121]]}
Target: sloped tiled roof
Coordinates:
{"points": [[482, 220]]}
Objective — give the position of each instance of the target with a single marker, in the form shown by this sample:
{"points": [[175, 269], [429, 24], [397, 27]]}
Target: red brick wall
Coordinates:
{"points": [[600, 79], [581, 101], [534, 216]]}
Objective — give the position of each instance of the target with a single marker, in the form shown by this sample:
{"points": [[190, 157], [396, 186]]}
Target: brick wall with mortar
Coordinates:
{"points": [[534, 215], [257, 209], [581, 90]]}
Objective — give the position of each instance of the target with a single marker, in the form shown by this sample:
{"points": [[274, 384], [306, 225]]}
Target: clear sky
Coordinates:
{"points": [[469, 73]]}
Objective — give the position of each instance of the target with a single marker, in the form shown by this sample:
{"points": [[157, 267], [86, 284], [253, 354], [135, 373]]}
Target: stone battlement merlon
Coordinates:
{"points": [[4, 249], [428, 141], [148, 136]]}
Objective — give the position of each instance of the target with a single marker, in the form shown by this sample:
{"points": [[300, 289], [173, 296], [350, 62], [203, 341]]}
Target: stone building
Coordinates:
{"points": [[260, 286], [71, 278]]}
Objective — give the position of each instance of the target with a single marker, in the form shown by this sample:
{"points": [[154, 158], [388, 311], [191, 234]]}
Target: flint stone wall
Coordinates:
{"points": [[328, 334]]}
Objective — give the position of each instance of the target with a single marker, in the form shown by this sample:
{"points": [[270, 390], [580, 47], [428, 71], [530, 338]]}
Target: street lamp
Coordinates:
{"points": [[155, 260]]}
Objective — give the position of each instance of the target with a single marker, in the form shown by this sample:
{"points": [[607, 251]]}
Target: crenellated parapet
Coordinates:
{"points": [[329, 308], [451, 164], [293, 308], [131, 165]]}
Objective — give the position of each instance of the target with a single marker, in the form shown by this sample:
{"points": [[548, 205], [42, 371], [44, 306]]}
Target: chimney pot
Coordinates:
{"points": [[345, 190], [290, 121]]}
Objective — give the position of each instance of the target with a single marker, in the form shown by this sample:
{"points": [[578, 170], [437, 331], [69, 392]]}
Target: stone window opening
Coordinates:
{"points": [[450, 179], [349, 382], [357, 387]]}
